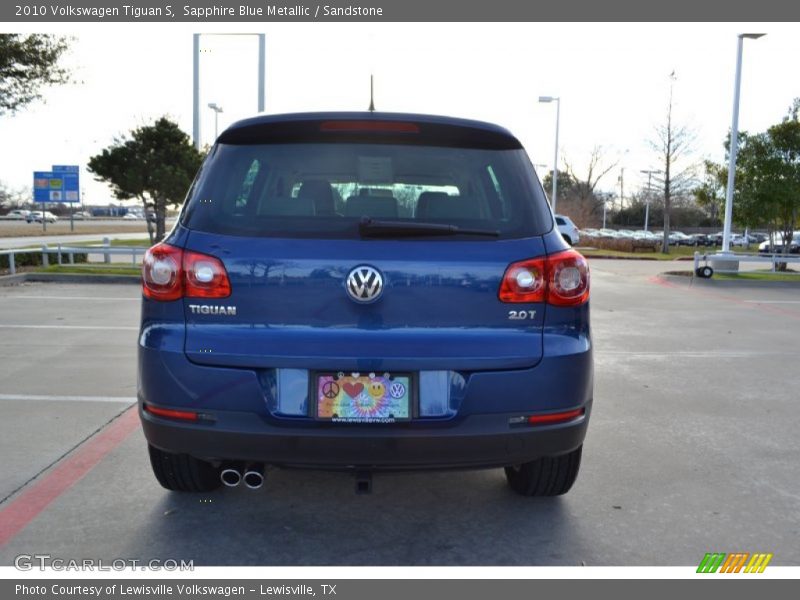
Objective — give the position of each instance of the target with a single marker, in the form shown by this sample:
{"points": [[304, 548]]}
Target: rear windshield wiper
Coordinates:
{"points": [[369, 227]]}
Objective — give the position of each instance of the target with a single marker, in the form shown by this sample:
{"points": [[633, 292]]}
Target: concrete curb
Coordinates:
{"points": [[718, 283], [68, 278], [645, 257], [12, 279]]}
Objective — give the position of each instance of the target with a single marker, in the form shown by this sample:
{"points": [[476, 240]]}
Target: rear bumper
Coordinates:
{"points": [[242, 426], [476, 441]]}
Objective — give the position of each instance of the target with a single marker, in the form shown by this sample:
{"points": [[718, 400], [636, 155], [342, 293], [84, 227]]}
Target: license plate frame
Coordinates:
{"points": [[365, 413]]}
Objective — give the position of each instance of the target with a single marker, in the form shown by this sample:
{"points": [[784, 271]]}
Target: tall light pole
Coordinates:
{"points": [[217, 109], [726, 232], [557, 100], [262, 45], [649, 173]]}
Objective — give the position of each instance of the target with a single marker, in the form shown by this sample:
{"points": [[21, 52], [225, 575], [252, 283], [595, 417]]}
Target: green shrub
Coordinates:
{"points": [[619, 244], [34, 259]]}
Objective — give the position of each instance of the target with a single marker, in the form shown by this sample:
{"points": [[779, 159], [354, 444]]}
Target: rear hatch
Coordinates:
{"points": [[371, 245]]}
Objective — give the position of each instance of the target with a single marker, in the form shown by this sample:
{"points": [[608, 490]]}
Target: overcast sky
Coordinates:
{"points": [[613, 81]]}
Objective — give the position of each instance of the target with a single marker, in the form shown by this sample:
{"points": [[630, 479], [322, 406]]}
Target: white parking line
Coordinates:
{"points": [[76, 327], [35, 397], [773, 301], [690, 353], [66, 298]]}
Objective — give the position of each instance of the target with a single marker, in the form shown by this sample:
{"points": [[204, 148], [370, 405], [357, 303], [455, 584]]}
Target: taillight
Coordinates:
{"points": [[161, 273], [567, 279], [524, 281], [561, 279], [205, 276], [169, 273]]}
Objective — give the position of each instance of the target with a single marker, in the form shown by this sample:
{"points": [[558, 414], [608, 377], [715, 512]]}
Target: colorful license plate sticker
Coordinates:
{"points": [[364, 397]]}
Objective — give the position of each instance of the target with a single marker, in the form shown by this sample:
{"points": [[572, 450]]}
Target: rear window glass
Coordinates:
{"points": [[323, 190]]}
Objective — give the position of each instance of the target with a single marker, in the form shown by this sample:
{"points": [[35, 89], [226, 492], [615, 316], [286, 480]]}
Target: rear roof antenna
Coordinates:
{"points": [[371, 96]]}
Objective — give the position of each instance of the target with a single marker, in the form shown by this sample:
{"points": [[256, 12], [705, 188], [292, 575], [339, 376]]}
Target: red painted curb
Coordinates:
{"points": [[28, 505]]}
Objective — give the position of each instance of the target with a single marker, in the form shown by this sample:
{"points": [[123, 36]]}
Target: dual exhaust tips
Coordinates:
{"points": [[252, 476]]}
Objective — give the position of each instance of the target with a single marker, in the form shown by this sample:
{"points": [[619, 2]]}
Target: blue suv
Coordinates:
{"points": [[365, 292]]}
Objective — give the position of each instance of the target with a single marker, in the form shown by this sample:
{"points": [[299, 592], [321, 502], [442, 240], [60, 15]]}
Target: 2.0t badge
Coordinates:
{"points": [[364, 284]]}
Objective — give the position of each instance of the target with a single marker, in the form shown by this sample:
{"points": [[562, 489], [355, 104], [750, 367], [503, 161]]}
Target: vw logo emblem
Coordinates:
{"points": [[364, 284]]}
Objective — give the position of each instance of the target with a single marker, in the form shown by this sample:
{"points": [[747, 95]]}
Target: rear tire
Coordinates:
{"points": [[547, 476], [183, 473]]}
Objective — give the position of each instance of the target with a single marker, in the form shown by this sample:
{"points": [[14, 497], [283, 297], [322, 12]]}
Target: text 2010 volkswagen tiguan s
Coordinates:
{"points": [[365, 292]]}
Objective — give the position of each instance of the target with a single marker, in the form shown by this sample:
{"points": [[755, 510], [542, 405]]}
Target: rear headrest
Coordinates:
{"points": [[439, 205], [321, 194], [426, 199], [371, 206]]}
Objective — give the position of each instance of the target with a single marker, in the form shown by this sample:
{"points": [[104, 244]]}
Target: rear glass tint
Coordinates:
{"points": [[324, 189]]}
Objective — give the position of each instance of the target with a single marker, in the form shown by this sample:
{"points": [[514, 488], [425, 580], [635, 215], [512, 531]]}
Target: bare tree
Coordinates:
{"points": [[672, 143], [579, 196], [584, 188]]}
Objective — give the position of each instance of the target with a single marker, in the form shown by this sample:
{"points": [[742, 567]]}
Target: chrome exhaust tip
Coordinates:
{"points": [[254, 476], [231, 477]]}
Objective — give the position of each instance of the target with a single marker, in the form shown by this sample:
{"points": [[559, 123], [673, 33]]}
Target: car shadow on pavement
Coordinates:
{"points": [[315, 518]]}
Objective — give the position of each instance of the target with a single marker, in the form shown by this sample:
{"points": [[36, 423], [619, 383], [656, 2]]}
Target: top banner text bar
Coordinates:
{"points": [[264, 11]]}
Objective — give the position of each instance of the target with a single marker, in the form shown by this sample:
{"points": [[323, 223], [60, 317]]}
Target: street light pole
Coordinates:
{"points": [[726, 231], [262, 61], [196, 90], [649, 173], [217, 109], [557, 100]]}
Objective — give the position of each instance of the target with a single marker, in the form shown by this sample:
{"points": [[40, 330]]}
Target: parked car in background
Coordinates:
{"points": [[36, 216], [777, 246], [701, 239], [17, 215], [741, 240], [626, 233], [132, 217], [678, 238], [82, 215], [568, 229], [646, 235]]}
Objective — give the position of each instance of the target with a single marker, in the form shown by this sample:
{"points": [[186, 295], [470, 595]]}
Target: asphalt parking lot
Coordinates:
{"points": [[692, 448]]}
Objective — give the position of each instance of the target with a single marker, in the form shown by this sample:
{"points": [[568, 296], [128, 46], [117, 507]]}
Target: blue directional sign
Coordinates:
{"points": [[70, 174], [62, 184]]}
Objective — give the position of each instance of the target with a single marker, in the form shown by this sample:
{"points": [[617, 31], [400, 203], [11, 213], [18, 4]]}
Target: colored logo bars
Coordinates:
{"points": [[734, 563]]}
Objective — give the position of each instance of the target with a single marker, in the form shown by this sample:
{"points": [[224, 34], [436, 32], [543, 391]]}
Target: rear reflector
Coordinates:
{"points": [[182, 415], [553, 418], [369, 126]]}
